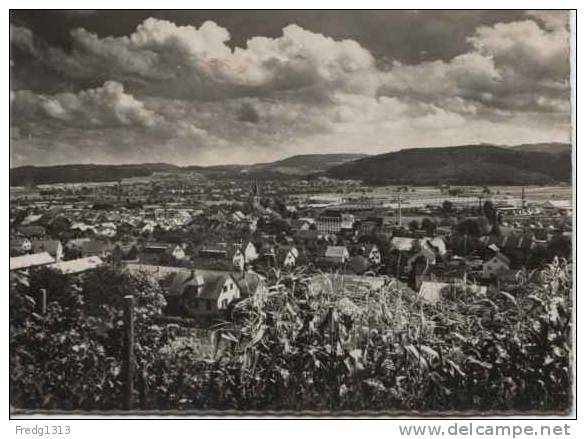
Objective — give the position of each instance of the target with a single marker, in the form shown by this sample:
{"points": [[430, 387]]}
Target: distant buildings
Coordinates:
{"points": [[333, 221]]}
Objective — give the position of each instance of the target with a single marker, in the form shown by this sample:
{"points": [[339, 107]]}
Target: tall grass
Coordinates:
{"points": [[295, 346]]}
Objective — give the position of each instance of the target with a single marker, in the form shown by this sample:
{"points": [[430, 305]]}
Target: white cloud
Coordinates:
{"points": [[188, 97]]}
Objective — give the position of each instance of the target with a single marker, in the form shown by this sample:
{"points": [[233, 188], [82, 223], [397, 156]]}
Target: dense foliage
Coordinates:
{"points": [[302, 345]]}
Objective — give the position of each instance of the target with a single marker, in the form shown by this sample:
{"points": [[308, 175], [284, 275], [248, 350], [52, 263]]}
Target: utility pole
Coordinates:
{"points": [[43, 301], [400, 215], [128, 360]]}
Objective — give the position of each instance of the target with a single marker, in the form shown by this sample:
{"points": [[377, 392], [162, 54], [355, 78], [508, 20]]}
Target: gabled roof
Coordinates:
{"points": [[32, 260], [32, 230], [502, 258], [94, 246], [213, 284], [17, 242], [183, 279], [158, 247], [283, 251]]}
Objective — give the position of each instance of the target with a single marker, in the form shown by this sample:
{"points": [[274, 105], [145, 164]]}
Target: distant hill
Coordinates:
{"points": [[551, 148], [295, 166], [306, 164], [24, 175], [464, 165]]}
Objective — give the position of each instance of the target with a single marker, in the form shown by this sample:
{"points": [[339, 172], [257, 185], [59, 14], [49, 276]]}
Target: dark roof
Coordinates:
{"points": [[94, 246], [502, 258], [183, 279], [32, 230], [212, 286]]}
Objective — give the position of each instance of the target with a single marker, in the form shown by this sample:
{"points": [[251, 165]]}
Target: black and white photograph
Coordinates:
{"points": [[291, 212]]}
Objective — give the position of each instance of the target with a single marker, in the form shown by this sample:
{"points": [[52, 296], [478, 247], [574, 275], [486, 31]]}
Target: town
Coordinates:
{"points": [[213, 242]]}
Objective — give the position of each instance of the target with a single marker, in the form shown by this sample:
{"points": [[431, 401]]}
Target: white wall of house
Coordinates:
{"points": [[238, 260], [178, 252], [289, 259], [229, 292], [250, 253], [59, 252], [374, 256]]}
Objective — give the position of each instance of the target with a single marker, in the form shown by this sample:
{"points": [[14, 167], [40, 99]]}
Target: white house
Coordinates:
{"points": [[372, 253], [250, 252], [178, 252], [238, 259], [203, 293], [287, 256]]}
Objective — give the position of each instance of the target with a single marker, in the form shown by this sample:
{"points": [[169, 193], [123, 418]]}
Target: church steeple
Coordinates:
{"points": [[254, 197]]}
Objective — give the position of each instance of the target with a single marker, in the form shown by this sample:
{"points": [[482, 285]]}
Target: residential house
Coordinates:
{"points": [[33, 232], [250, 252], [333, 221], [87, 247], [155, 253], [125, 253], [287, 256], [203, 294], [20, 245], [214, 251]]}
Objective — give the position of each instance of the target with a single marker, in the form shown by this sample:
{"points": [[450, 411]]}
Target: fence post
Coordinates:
{"points": [[43, 301], [128, 359]]}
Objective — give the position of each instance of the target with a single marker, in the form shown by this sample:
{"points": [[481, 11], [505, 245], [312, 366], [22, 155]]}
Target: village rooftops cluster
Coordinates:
{"points": [[211, 234]]}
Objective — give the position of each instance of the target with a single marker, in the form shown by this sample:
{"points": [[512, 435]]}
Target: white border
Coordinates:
{"points": [[269, 428]]}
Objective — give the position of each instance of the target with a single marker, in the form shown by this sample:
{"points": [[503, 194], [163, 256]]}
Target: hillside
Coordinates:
{"points": [[304, 164], [551, 148], [295, 166], [24, 175], [465, 165]]}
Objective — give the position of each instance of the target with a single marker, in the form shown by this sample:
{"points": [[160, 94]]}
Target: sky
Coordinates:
{"points": [[216, 87]]}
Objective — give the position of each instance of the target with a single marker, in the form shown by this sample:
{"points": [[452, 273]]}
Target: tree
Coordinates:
{"points": [[429, 226], [447, 206], [413, 225], [495, 230], [490, 211], [560, 246], [70, 357]]}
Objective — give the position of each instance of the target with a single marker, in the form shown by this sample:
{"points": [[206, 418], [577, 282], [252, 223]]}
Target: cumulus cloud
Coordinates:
{"points": [[165, 59], [188, 96], [108, 105]]}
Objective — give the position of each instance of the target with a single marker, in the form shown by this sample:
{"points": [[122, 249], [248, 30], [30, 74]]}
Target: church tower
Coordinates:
{"points": [[254, 197]]}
